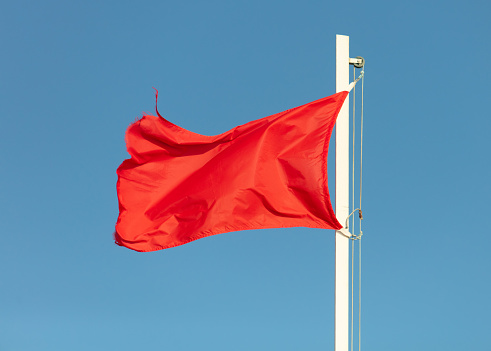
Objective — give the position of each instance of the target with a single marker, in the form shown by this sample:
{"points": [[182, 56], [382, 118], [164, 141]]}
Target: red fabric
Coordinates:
{"points": [[180, 186]]}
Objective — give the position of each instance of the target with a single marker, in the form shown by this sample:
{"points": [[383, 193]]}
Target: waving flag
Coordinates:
{"points": [[179, 186]]}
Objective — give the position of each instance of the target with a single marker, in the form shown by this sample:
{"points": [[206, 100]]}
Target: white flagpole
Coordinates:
{"points": [[341, 290]]}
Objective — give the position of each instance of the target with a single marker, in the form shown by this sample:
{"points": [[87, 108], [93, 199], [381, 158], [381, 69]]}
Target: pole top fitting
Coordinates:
{"points": [[358, 62]]}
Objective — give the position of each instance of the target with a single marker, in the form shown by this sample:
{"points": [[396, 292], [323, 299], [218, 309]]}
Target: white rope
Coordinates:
{"points": [[359, 296], [352, 236], [360, 217], [353, 204]]}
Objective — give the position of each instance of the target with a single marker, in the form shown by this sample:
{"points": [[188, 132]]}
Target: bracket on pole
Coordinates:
{"points": [[358, 62]]}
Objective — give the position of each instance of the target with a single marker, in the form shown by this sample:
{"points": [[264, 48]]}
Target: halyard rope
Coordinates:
{"points": [[353, 203], [361, 216], [354, 237]]}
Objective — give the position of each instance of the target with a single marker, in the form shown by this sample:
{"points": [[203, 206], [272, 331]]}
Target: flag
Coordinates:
{"points": [[179, 186]]}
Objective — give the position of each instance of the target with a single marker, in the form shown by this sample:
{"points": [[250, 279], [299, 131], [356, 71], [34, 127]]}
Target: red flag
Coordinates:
{"points": [[179, 186]]}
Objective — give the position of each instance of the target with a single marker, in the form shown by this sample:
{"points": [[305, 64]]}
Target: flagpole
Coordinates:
{"points": [[341, 290]]}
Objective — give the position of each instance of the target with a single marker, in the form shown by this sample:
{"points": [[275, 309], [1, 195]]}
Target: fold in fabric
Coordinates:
{"points": [[179, 186]]}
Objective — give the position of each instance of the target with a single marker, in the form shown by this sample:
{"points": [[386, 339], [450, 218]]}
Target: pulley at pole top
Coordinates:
{"points": [[358, 62]]}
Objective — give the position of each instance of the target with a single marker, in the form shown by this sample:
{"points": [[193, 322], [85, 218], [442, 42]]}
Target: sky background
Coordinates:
{"points": [[76, 74]]}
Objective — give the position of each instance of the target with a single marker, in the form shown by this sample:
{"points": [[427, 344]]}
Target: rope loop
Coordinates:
{"points": [[360, 215], [356, 237]]}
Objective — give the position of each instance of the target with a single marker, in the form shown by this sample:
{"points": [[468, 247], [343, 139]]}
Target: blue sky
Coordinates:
{"points": [[75, 74]]}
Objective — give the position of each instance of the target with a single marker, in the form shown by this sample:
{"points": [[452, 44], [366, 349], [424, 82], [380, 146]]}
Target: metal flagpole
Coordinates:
{"points": [[341, 290]]}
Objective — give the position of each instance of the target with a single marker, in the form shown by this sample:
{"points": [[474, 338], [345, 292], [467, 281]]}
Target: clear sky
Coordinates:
{"points": [[75, 74]]}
